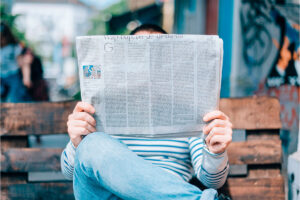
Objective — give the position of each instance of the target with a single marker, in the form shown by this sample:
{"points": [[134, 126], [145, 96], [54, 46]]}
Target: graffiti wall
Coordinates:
{"points": [[269, 57], [285, 69]]}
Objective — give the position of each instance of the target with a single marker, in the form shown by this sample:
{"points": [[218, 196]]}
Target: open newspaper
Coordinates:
{"points": [[150, 85]]}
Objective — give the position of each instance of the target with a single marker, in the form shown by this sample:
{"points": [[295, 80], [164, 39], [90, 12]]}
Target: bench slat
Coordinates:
{"points": [[255, 152], [8, 179], [255, 188], [12, 178], [14, 141], [51, 117], [29, 191], [252, 113], [34, 118], [30, 160], [264, 173], [238, 188], [36, 159]]}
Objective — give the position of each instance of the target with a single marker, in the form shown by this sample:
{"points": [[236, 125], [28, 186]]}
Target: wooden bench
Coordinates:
{"points": [[254, 155]]}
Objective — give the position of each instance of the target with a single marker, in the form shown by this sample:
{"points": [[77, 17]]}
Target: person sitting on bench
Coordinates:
{"points": [[115, 167]]}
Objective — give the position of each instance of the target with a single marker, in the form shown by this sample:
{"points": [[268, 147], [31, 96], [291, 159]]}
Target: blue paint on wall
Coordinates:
{"points": [[225, 29]]}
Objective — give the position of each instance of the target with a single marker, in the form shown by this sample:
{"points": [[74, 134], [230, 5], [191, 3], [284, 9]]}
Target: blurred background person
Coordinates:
{"points": [[12, 87], [32, 75]]}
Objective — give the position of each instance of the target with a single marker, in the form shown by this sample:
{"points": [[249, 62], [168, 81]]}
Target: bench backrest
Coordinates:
{"points": [[254, 155]]}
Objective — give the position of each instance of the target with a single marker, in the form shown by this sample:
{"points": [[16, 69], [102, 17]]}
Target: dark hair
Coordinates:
{"points": [[7, 34], [148, 27]]}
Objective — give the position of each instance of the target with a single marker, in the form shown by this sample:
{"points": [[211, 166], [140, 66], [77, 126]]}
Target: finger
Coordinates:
{"points": [[75, 132], [215, 131], [84, 124], [216, 123], [84, 107], [220, 140], [215, 115], [84, 117], [216, 146]]}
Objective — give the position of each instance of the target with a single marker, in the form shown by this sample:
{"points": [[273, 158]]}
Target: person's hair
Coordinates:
{"points": [[152, 28], [7, 34]]}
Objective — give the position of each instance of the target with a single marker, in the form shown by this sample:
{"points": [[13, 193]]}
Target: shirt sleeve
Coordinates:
{"points": [[67, 161], [211, 169]]}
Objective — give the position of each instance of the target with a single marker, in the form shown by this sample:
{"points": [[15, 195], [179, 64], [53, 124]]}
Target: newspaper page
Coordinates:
{"points": [[157, 85]]}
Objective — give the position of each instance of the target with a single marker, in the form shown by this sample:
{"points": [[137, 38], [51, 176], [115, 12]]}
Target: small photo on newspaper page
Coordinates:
{"points": [[156, 86], [91, 71]]}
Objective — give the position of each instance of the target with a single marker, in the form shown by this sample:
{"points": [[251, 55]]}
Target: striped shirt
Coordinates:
{"points": [[183, 157]]}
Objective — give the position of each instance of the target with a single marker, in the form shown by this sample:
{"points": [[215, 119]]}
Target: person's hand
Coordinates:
{"points": [[218, 131], [27, 82], [81, 122], [25, 62]]}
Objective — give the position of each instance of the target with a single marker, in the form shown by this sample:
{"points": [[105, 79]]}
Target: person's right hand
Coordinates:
{"points": [[81, 122]]}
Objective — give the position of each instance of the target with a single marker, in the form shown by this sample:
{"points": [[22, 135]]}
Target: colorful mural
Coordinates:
{"points": [[270, 34], [286, 66]]}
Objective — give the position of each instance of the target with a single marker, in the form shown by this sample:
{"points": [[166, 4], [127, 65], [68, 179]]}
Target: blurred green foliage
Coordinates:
{"points": [[99, 23], [77, 96], [10, 20], [118, 8]]}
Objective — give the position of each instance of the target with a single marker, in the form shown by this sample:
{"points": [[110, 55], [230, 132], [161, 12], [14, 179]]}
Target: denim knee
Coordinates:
{"points": [[95, 148]]}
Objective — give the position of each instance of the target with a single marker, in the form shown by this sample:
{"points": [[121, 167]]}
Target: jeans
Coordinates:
{"points": [[106, 169]]}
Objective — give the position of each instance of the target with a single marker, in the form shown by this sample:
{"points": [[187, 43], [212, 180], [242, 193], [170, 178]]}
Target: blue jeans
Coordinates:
{"points": [[106, 169]]}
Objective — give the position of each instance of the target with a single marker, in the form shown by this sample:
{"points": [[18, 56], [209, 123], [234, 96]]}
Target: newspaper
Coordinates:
{"points": [[157, 85]]}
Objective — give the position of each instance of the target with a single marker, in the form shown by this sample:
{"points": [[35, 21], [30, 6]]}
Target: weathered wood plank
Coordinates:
{"points": [[255, 188], [237, 188], [34, 118], [12, 178], [263, 135], [252, 113], [57, 191], [8, 179], [255, 152], [264, 173], [4, 194], [30, 160], [14, 141], [36, 159]]}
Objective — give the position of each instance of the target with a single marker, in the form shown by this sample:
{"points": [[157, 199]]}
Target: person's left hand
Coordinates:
{"points": [[218, 131]]}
